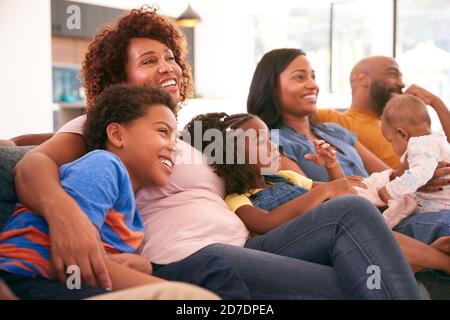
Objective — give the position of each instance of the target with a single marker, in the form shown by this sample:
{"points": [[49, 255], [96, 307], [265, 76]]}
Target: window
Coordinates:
{"points": [[337, 34], [360, 28], [304, 27], [423, 44], [309, 30]]}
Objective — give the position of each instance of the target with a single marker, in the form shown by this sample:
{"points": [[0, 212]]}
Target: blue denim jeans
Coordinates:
{"points": [[426, 227], [323, 254], [349, 236], [207, 270], [44, 289]]}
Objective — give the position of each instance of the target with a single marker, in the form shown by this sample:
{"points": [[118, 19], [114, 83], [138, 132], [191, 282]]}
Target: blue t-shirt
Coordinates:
{"points": [[296, 145], [100, 184]]}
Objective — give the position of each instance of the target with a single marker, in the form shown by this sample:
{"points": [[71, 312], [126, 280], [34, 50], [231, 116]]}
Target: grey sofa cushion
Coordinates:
{"points": [[9, 156]]}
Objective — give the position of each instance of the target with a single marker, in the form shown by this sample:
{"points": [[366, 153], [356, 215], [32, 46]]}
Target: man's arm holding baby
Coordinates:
{"points": [[436, 103]]}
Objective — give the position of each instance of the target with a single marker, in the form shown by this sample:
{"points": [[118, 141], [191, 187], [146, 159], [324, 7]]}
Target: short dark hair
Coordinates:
{"points": [[121, 103], [262, 98], [238, 177]]}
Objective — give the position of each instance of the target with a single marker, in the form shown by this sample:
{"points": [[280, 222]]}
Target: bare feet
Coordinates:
{"points": [[5, 292], [442, 244]]}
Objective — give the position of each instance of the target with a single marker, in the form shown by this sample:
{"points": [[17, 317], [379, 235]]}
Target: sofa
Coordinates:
{"points": [[430, 285]]}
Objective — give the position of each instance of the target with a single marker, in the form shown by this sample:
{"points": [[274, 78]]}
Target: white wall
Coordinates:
{"points": [[170, 7], [224, 61], [25, 65]]}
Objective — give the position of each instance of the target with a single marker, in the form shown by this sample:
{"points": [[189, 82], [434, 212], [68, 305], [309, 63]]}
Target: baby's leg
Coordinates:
{"points": [[422, 256]]}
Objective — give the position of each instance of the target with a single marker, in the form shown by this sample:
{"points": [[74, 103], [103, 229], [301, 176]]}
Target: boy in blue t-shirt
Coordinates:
{"points": [[132, 125]]}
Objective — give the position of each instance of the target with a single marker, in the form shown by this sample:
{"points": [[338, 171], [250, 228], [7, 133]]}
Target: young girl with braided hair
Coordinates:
{"points": [[254, 184], [265, 197]]}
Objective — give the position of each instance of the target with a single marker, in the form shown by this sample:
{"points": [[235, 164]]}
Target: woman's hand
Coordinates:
{"points": [[344, 186], [133, 261], [325, 154], [438, 180], [76, 241]]}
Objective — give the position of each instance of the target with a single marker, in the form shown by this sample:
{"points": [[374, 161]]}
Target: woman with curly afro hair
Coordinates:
{"points": [[190, 235], [127, 52], [142, 47]]}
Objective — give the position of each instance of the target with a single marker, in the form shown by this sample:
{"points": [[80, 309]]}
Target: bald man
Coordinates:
{"points": [[374, 80]]}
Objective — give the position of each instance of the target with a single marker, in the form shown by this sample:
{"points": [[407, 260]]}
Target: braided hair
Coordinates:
{"points": [[238, 177]]}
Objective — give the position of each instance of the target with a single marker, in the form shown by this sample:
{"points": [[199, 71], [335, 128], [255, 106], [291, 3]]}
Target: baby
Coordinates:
{"points": [[405, 123]]}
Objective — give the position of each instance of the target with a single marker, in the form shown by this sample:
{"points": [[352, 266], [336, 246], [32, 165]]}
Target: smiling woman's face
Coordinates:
{"points": [[297, 89], [152, 62]]}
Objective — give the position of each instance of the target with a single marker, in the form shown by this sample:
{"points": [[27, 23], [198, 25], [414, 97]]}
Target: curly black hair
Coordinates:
{"points": [[105, 60], [238, 177], [121, 103]]}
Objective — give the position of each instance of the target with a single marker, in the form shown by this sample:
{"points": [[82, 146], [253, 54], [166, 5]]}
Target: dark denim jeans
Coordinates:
{"points": [[426, 227], [207, 270], [43, 289], [348, 235], [323, 254]]}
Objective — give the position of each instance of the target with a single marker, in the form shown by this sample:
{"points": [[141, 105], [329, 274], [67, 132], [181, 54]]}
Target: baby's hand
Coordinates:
{"points": [[132, 261], [325, 154]]}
